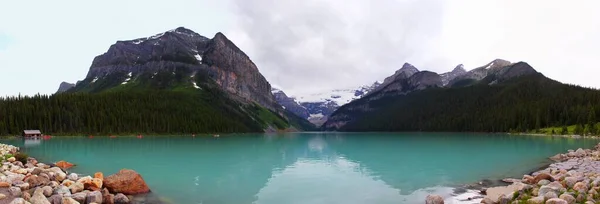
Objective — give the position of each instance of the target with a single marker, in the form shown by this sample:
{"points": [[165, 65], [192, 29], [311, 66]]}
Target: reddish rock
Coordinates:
{"points": [[94, 185], [4, 184], [64, 164], [99, 175], [543, 176], [126, 181]]}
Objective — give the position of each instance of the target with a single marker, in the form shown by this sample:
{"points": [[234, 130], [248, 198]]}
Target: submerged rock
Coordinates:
{"points": [[64, 165], [126, 181]]}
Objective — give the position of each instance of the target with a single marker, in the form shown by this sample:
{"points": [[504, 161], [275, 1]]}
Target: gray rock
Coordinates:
{"points": [[122, 199], [73, 177], [63, 191], [487, 200], [536, 200], [22, 186], [505, 199], [79, 197], [570, 181], [580, 187], [76, 187], [55, 199], [69, 200], [14, 177], [15, 191], [19, 201], [555, 187], [568, 197], [550, 195], [38, 197], [47, 191], [543, 182], [60, 176], [556, 201], [580, 152], [96, 197], [36, 171]]}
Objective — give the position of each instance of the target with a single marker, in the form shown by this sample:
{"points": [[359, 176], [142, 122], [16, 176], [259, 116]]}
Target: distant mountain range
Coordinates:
{"points": [[498, 97]]}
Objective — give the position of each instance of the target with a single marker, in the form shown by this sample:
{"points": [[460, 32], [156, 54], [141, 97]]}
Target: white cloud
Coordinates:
{"points": [[312, 45]]}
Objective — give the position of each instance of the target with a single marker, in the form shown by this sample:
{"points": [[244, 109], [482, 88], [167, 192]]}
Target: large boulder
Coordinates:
{"points": [[64, 165], [434, 199], [126, 181]]}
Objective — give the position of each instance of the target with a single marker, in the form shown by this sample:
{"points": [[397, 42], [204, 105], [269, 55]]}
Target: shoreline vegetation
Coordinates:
{"points": [[573, 177], [24, 180]]}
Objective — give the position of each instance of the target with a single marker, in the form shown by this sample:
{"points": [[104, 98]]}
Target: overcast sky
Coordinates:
{"points": [[311, 45]]}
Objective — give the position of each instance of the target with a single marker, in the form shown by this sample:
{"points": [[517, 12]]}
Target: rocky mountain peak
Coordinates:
{"points": [[459, 68], [407, 69], [497, 64], [181, 50], [64, 86]]}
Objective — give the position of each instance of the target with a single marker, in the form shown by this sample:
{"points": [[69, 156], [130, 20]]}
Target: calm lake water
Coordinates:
{"points": [[307, 168]]}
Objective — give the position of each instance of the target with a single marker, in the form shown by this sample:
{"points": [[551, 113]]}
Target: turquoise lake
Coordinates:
{"points": [[315, 168]]}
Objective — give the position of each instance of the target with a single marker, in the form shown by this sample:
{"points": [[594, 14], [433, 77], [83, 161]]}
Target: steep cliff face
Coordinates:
{"points": [[181, 52], [290, 104]]}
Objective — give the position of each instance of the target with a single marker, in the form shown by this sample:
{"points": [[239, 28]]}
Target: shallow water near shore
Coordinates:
{"points": [[307, 167]]}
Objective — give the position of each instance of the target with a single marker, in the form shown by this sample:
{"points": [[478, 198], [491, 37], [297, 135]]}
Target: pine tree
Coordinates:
{"points": [[591, 126], [565, 130], [579, 130]]}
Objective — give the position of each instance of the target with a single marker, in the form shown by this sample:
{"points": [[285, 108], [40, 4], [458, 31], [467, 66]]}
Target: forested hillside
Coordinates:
{"points": [[119, 112], [519, 104]]}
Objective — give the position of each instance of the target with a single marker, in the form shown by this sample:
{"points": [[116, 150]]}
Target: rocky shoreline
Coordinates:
{"points": [[574, 177], [24, 180]]}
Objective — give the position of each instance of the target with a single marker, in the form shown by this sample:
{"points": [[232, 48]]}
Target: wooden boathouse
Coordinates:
{"points": [[32, 134]]}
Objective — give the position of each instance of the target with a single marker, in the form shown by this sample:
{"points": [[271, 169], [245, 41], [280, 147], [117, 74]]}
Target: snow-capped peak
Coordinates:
{"points": [[339, 96]]}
